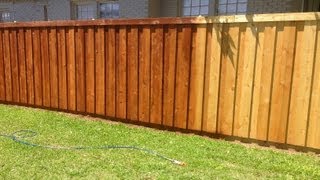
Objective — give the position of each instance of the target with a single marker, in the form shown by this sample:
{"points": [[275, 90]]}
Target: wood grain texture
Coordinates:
{"points": [[111, 72], [90, 70], [121, 94], [14, 66], [283, 67], [53, 56], [29, 67], [80, 70], [229, 61], [7, 65], [2, 71], [184, 37], [169, 63], [37, 63], [301, 86], [100, 71], [144, 74], [262, 81], [156, 75], [133, 73], [22, 66], [313, 136], [45, 66], [198, 59], [244, 84], [71, 69], [212, 77], [62, 68]]}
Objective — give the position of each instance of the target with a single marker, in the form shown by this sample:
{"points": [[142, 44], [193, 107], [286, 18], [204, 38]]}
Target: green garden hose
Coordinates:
{"points": [[18, 137]]}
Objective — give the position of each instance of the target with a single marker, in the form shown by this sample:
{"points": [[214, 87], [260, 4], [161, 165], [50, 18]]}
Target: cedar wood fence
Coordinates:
{"points": [[253, 77]]}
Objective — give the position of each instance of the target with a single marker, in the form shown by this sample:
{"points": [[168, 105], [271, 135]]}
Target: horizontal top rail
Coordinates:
{"points": [[311, 16]]}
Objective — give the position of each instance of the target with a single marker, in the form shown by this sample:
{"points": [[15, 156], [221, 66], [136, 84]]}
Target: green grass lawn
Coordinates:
{"points": [[205, 158]]}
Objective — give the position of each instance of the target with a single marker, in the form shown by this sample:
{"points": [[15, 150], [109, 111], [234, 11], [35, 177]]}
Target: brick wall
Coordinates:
{"points": [[134, 8], [274, 6], [59, 10]]}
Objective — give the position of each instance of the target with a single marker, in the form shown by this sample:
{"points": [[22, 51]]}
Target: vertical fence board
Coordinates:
{"points": [[133, 73], [22, 66], [100, 71], [7, 65], [169, 63], [282, 81], [212, 75], [29, 65], [71, 69], [121, 68], [37, 66], [262, 81], [229, 62], [144, 74], [54, 85], [197, 78], [313, 135], [301, 86], [45, 66], [80, 70], [156, 75], [111, 72], [90, 66], [2, 70], [182, 76], [62, 68], [14, 66], [244, 80]]}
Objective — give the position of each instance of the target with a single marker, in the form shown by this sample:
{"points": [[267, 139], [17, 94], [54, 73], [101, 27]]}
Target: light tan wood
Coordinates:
{"points": [[301, 86], [262, 81], [248, 34], [313, 136], [229, 61], [212, 77], [284, 59]]}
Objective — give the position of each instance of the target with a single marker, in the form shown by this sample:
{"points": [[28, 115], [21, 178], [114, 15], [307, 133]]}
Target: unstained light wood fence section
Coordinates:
{"points": [[255, 77]]}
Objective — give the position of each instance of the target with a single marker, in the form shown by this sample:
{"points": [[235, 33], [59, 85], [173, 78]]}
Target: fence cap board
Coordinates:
{"points": [[313, 16]]}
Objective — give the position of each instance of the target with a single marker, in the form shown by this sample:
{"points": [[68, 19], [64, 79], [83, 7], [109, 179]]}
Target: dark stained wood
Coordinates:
{"points": [[45, 66], [144, 73], [80, 70], [170, 51], [62, 68], [156, 75], [2, 71], [100, 71], [37, 66], [89, 61], [14, 66], [133, 73], [71, 68], [110, 72], [182, 76], [29, 65], [7, 64], [104, 22], [22, 66], [122, 74], [53, 56]]}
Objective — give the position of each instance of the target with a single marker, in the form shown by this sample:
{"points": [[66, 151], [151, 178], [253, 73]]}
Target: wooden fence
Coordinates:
{"points": [[254, 77]]}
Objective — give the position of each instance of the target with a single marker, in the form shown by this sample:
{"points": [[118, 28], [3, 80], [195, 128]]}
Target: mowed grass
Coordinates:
{"points": [[205, 158]]}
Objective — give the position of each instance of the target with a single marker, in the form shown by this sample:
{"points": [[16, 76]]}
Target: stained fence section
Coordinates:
{"points": [[253, 77]]}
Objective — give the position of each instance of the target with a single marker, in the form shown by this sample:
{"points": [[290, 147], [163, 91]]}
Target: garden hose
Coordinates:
{"points": [[18, 137]]}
